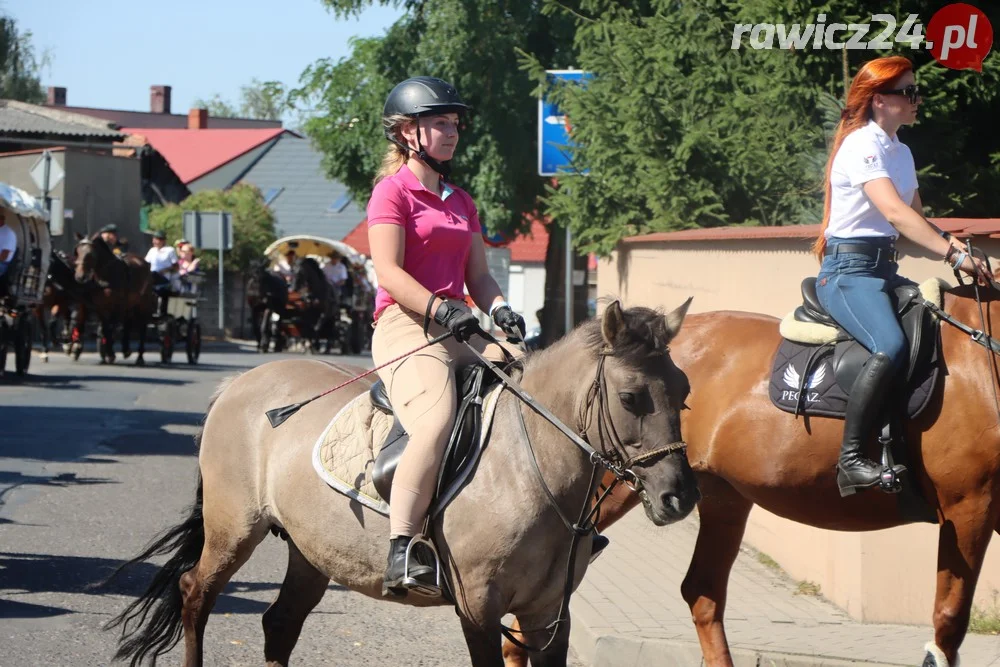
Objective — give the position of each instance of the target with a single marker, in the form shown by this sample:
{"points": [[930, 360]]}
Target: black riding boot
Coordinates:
{"points": [[864, 406], [393, 585]]}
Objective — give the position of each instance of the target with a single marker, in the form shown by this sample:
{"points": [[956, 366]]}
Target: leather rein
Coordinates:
{"points": [[616, 460], [981, 336]]}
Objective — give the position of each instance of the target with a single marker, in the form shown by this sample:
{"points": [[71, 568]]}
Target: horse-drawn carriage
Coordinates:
{"points": [[302, 305], [25, 276], [181, 320]]}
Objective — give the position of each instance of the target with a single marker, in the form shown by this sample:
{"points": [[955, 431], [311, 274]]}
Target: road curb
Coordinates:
{"points": [[603, 648]]}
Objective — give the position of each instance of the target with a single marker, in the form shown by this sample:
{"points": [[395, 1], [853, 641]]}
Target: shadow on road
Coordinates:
{"points": [[64, 433], [10, 480], [42, 573]]}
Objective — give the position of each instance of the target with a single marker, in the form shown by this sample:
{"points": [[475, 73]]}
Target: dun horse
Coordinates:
{"points": [[503, 542], [124, 295], [746, 452]]}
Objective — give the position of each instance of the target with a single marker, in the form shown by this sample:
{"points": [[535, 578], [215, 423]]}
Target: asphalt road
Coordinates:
{"points": [[94, 461]]}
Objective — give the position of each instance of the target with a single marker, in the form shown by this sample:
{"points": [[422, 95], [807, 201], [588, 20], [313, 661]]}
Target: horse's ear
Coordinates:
{"points": [[79, 236], [675, 319], [612, 322]]}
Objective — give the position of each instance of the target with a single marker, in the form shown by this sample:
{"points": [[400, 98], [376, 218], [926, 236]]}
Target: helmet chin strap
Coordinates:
{"points": [[442, 168]]}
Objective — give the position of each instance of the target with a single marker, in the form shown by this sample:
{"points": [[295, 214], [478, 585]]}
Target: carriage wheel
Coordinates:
{"points": [[22, 344], [168, 340], [193, 346], [265, 331]]}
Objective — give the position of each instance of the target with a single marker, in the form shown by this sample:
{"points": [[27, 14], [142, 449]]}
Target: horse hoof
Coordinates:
{"points": [[126, 354], [140, 362], [45, 358], [936, 658]]}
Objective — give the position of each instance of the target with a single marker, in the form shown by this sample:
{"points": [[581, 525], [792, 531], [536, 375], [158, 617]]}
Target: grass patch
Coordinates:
{"points": [[807, 588], [986, 621], [768, 562]]}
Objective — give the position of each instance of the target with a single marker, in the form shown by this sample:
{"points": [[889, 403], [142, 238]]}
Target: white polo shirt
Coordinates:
{"points": [[866, 154], [161, 259]]}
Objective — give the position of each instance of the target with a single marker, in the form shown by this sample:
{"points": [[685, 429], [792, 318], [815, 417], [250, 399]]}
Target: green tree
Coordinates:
{"points": [[676, 129], [262, 100], [19, 68], [253, 223], [471, 43]]}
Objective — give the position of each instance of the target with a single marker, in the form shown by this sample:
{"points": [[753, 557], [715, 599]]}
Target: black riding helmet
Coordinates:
{"points": [[423, 96]]}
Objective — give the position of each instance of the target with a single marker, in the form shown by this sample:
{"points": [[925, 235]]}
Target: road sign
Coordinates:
{"points": [[211, 230], [554, 143], [204, 229], [55, 172]]}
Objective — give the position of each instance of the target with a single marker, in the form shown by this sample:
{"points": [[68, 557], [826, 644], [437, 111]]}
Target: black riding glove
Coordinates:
{"points": [[509, 322], [462, 323]]}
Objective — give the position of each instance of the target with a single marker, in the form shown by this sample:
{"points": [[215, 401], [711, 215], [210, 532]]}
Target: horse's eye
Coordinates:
{"points": [[627, 399]]}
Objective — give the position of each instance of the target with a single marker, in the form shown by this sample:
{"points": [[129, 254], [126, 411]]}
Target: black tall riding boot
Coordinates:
{"points": [[393, 585], [864, 406]]}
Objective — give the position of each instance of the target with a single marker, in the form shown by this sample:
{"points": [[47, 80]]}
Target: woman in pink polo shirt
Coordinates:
{"points": [[427, 246]]}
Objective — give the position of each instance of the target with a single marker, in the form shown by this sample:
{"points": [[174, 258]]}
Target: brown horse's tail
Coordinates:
{"points": [[161, 603]]}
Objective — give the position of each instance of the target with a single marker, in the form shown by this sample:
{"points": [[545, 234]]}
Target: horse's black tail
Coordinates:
{"points": [[161, 602]]}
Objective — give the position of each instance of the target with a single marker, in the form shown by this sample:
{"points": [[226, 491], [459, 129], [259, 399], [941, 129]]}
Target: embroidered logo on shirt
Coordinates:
{"points": [[872, 162]]}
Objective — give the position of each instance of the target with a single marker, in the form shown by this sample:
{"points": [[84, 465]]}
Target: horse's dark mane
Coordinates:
{"points": [[645, 335]]}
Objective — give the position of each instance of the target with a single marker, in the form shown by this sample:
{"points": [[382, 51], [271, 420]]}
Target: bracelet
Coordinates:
{"points": [[497, 306], [948, 255], [945, 235], [959, 260]]}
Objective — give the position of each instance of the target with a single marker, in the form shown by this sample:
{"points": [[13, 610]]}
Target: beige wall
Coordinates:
{"points": [[883, 576]]}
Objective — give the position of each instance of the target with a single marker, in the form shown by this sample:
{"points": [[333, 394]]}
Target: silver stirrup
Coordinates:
{"points": [[414, 585]]}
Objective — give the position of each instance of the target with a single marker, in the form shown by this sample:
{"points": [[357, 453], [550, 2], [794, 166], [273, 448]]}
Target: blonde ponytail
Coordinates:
{"points": [[395, 156]]}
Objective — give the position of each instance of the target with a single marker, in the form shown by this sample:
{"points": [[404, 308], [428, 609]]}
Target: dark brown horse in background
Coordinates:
{"points": [[748, 452], [124, 295], [63, 311]]}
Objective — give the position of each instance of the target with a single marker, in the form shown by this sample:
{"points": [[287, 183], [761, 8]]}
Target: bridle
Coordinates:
{"points": [[618, 460]]}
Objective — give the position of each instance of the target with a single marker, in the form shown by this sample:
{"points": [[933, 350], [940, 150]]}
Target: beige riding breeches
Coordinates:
{"points": [[424, 395]]}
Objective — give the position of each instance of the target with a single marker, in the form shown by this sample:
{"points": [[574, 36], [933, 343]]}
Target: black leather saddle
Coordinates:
{"points": [[849, 356], [464, 443]]}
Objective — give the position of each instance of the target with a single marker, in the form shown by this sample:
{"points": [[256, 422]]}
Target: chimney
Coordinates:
{"points": [[197, 119], [159, 99], [56, 97]]}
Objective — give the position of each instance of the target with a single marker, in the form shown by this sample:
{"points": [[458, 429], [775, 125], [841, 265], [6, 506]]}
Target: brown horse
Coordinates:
{"points": [[256, 479], [746, 451], [124, 295], [62, 310]]}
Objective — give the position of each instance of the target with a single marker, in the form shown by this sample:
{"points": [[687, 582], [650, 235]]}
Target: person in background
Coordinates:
{"points": [[8, 249]]}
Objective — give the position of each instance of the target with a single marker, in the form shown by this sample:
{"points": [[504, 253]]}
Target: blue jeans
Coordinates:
{"points": [[854, 289]]}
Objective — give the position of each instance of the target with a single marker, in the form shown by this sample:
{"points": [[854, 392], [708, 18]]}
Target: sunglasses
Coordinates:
{"points": [[911, 92]]}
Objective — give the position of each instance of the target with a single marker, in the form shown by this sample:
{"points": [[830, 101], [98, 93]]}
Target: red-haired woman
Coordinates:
{"points": [[872, 198]]}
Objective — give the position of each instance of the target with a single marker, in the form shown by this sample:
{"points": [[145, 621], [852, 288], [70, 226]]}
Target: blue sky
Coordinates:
{"points": [[107, 53]]}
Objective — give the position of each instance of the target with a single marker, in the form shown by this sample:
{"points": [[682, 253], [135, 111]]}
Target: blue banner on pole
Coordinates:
{"points": [[554, 143]]}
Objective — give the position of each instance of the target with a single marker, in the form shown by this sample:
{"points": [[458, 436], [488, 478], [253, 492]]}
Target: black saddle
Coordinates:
{"points": [[464, 443], [849, 356]]}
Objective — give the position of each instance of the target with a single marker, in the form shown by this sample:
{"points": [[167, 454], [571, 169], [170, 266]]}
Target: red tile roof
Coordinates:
{"points": [[194, 153], [957, 226], [357, 238], [530, 248], [525, 249]]}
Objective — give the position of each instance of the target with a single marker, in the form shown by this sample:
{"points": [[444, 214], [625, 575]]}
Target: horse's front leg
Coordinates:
{"points": [[107, 341], [43, 324], [143, 323], [615, 506], [483, 643], [127, 336], [965, 533], [723, 518]]}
